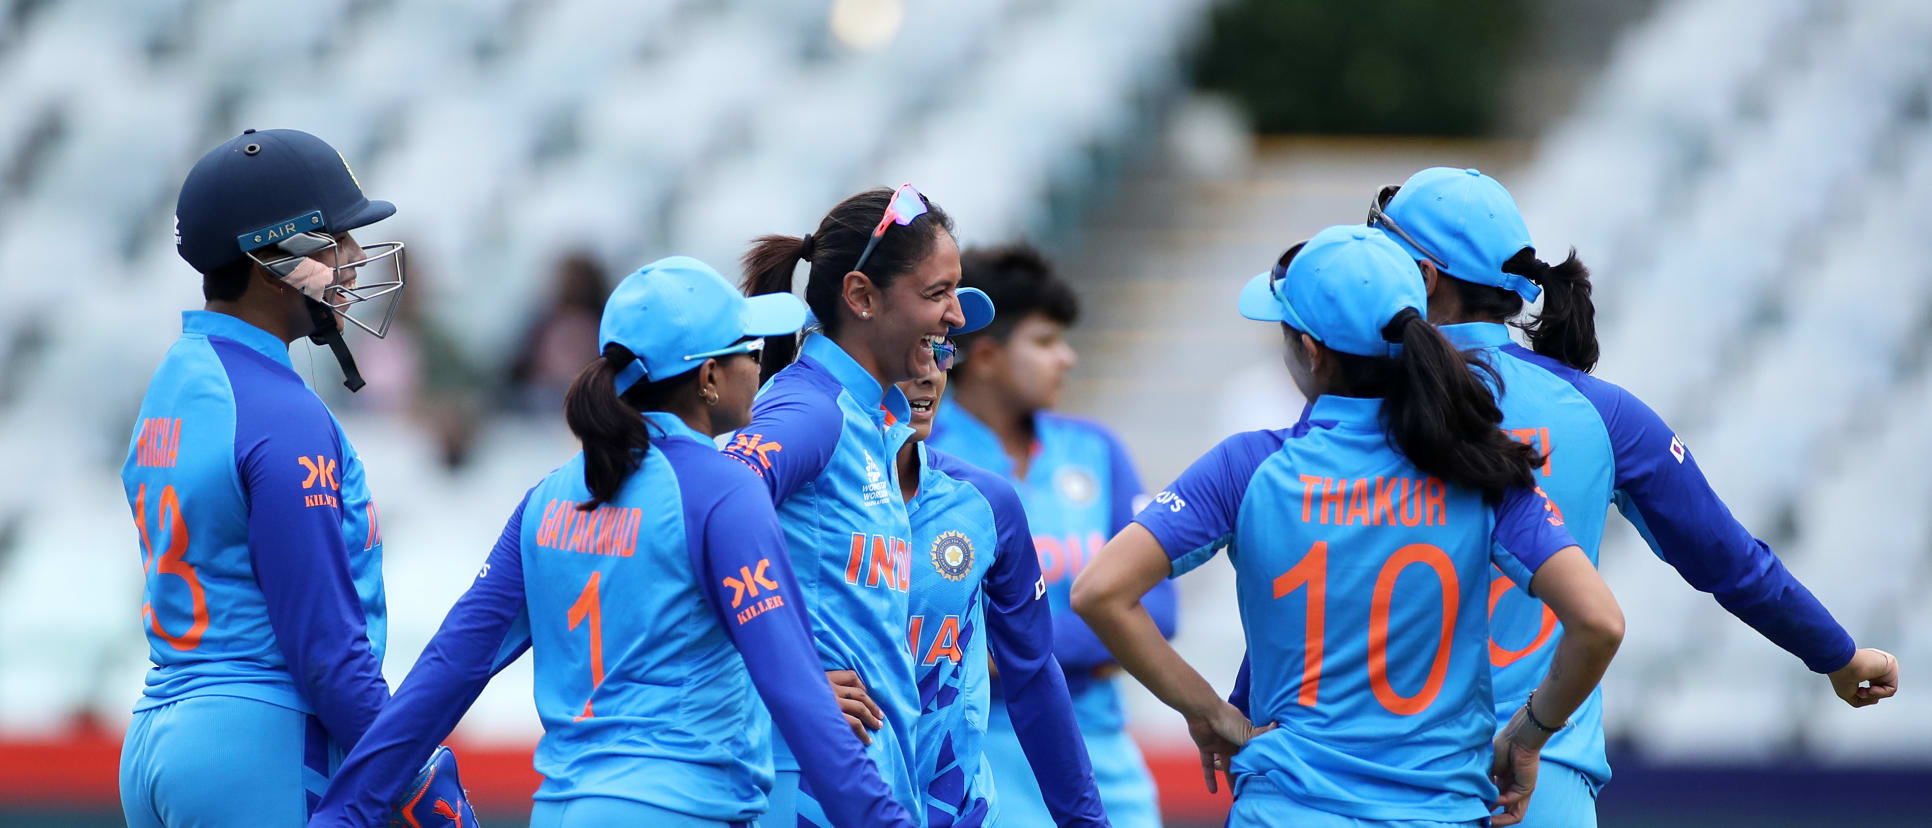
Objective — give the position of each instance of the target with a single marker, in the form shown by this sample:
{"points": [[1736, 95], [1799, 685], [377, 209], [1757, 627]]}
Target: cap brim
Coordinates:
{"points": [[371, 212], [773, 314], [978, 308], [1259, 303]]}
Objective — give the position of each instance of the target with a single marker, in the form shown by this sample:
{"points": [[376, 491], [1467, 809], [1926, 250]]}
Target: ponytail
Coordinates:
{"points": [[833, 250], [1566, 329], [768, 269], [611, 426], [1439, 413]]}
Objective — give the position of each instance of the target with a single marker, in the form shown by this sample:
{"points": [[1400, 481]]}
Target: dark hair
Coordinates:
{"points": [[1021, 283], [832, 250], [1565, 329], [228, 282], [1437, 410], [614, 435]]}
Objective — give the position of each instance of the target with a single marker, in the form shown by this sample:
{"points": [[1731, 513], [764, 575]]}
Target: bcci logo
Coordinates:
{"points": [[1077, 485], [952, 555]]}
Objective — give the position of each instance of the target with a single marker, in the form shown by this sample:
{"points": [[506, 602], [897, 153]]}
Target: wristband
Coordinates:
{"points": [[1530, 713]]}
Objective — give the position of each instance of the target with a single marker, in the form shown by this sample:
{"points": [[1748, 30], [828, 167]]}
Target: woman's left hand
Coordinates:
{"points": [[1220, 733]]}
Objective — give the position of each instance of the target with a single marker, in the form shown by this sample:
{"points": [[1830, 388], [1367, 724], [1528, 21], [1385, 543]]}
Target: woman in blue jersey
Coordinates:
{"points": [[263, 603], [649, 576], [883, 285], [1604, 445], [1079, 487], [1362, 539], [977, 589]]}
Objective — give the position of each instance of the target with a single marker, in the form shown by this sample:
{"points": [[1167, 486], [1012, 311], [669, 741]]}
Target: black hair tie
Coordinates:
{"points": [[1392, 332], [806, 246]]}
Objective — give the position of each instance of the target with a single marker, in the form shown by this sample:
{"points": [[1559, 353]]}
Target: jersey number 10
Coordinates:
{"points": [[1312, 572]]}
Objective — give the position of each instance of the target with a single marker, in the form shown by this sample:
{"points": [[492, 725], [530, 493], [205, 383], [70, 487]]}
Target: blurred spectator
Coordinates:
{"points": [[418, 371], [563, 338]]}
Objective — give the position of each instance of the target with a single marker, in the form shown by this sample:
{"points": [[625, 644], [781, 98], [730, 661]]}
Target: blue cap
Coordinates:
{"points": [[259, 188], [1468, 221], [978, 308], [677, 312], [1343, 288]]}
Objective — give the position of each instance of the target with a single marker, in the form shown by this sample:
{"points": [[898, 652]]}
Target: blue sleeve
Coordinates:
{"points": [[1194, 517], [452, 671], [1527, 532], [739, 552], [793, 432], [1020, 631], [288, 454], [1661, 491]]}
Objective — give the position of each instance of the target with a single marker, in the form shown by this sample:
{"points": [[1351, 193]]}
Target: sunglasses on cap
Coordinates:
{"points": [[1378, 218], [906, 204], [1280, 271], [749, 345]]}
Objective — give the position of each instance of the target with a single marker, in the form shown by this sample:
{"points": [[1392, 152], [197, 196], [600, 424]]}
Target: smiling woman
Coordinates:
{"points": [[884, 287]]}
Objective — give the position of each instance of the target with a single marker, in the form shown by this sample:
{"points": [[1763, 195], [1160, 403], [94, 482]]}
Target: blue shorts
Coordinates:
{"points": [[1258, 804], [1119, 772], [1564, 798], [222, 760], [598, 811]]}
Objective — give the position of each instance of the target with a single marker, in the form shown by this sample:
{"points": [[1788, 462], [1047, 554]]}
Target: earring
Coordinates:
{"points": [[709, 399], [865, 314]]}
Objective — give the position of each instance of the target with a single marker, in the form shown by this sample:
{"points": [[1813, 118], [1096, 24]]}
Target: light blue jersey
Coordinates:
{"points": [[1080, 489], [975, 580], [1362, 584], [664, 624], [1604, 446], [822, 438], [259, 542]]}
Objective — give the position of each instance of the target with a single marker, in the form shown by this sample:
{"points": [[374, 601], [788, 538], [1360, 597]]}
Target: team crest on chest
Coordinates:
{"points": [[952, 555], [1077, 485]]}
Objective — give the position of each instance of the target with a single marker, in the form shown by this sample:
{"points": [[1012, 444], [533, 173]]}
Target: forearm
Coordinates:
{"points": [[1582, 657], [1137, 644]]}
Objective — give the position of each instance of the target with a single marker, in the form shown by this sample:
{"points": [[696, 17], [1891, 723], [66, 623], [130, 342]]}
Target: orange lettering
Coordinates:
{"points": [[1334, 493], [1384, 511], [1411, 502], [1358, 503], [1308, 484], [1437, 513], [857, 558], [882, 564], [945, 643]]}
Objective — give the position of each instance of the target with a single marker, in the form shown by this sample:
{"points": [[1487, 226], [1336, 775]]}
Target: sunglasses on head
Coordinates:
{"points": [[1378, 218], [906, 204]]}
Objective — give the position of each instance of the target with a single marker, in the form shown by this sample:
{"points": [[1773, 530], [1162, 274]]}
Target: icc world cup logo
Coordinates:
{"points": [[952, 555]]}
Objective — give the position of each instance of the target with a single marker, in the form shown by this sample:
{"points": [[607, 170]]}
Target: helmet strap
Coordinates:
{"points": [[328, 332]]}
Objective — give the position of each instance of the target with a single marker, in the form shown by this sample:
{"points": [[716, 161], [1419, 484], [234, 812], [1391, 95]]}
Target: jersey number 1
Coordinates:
{"points": [[1312, 572], [589, 608]]}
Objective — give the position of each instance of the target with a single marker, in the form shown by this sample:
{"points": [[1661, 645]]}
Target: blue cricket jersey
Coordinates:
{"points": [[975, 579], [657, 620], [1361, 583], [1079, 491], [822, 437], [258, 536], [1606, 446]]}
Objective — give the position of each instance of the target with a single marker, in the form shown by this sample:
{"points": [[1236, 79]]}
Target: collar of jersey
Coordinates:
{"points": [[955, 417], [214, 323], [1468, 335], [673, 426], [1347, 412], [821, 349]]}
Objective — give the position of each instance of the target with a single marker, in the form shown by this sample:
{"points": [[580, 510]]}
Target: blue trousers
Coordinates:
{"points": [[598, 811], [1119, 773], [1564, 798], [222, 761]]}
